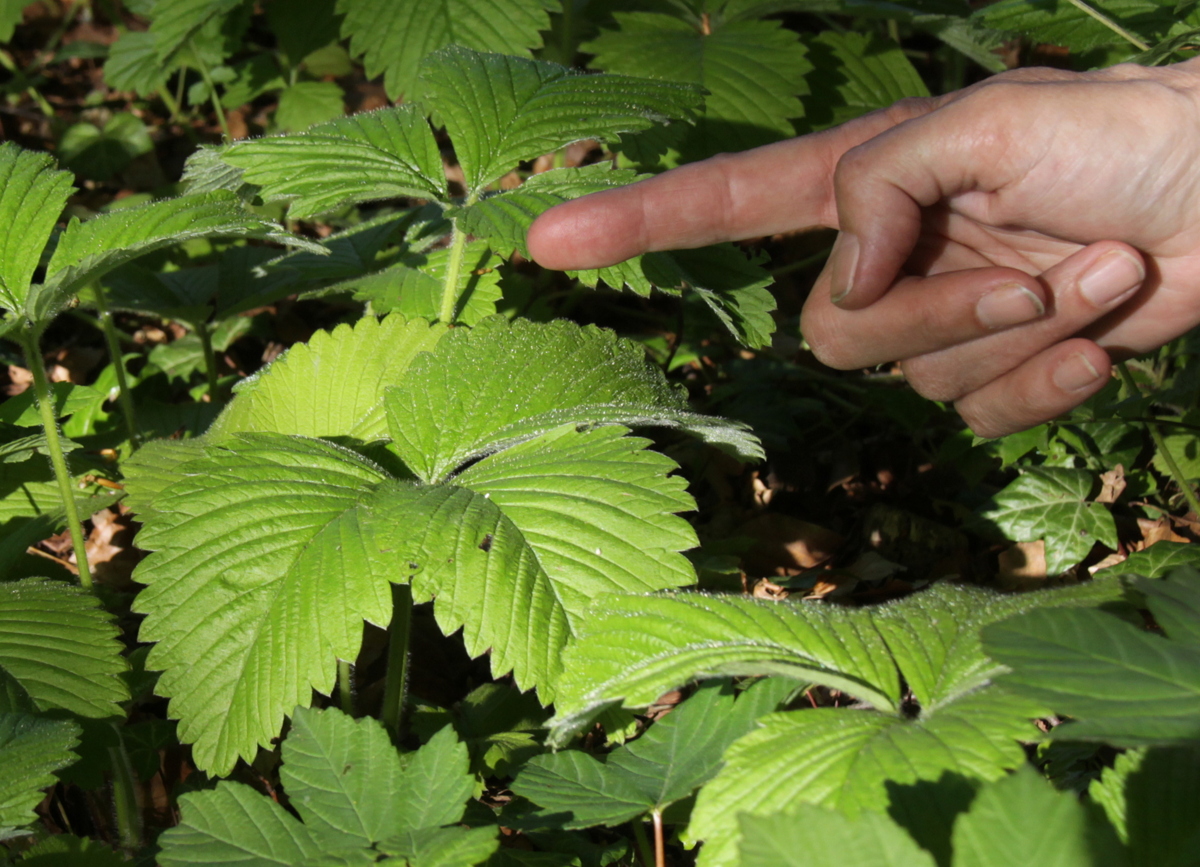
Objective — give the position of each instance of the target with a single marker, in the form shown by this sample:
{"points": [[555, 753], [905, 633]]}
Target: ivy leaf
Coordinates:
{"points": [[787, 840], [1121, 684], [333, 385], [500, 110], [32, 748], [32, 196], [364, 157], [752, 70], [414, 289], [1052, 503], [856, 73], [86, 251], [501, 383], [58, 650], [176, 22], [677, 754], [392, 36]]}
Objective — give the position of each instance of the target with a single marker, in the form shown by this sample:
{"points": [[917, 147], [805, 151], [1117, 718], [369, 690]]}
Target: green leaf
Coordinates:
{"points": [[1156, 561], [1061, 23], [67, 850], [86, 251], [21, 410], [1150, 797], [856, 73], [177, 21], [302, 26], [443, 847], [333, 385], [59, 649], [484, 389], [277, 600], [1024, 820], [368, 156], [32, 748], [32, 196], [152, 468], [1052, 503], [414, 289], [309, 102], [1120, 683], [392, 36], [99, 154], [10, 17], [788, 840], [677, 754], [133, 64], [501, 110], [753, 72]]}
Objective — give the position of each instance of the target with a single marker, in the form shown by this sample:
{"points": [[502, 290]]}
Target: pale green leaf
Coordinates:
{"points": [[32, 748], [373, 155], [1156, 561], [154, 466], [793, 840], [392, 36], [414, 288], [206, 171], [1152, 798], [856, 73], [175, 22], [1024, 820], [234, 824], [753, 72], [498, 384], [306, 103], [32, 196], [21, 409], [1120, 683], [267, 544], [10, 17], [133, 64], [60, 648], [1052, 503], [435, 785], [333, 385], [501, 110], [1062, 23]]}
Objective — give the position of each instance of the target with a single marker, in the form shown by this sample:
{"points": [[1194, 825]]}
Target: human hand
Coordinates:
{"points": [[998, 241]]}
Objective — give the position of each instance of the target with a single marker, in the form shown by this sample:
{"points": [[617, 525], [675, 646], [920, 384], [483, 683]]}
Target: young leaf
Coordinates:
{"points": [[58, 650], [1120, 683], [414, 289], [787, 840], [484, 389], [32, 196], [753, 72], [364, 157], [176, 22], [501, 110], [392, 36], [1052, 503], [32, 748], [333, 385], [856, 73]]}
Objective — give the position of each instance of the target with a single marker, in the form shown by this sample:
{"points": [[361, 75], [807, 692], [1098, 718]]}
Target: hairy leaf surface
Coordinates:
{"points": [[32, 748], [856, 73], [414, 288], [787, 840]]}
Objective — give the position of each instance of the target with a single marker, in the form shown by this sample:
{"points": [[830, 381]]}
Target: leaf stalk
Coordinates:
{"points": [[113, 341], [396, 685], [213, 97], [458, 246], [204, 332], [1160, 444]]}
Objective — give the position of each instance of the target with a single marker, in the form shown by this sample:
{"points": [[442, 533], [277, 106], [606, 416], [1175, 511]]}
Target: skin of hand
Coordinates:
{"points": [[999, 242]]}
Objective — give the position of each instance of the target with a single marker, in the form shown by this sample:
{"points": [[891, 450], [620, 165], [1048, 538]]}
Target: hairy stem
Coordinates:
{"points": [[458, 246], [204, 332], [125, 798], [213, 97], [346, 687], [1110, 24], [1160, 444], [396, 685], [113, 340], [44, 396]]}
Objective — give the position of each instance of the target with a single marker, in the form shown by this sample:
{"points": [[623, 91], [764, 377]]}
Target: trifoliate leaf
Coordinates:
{"points": [[1071, 27], [333, 385], [501, 110], [787, 840], [98, 154], [176, 22], [87, 251], [392, 36], [415, 288], [32, 748], [1119, 683], [309, 102], [32, 196], [753, 72], [1156, 561], [374, 155], [498, 384], [856, 73], [677, 754], [1052, 503], [59, 649], [133, 64]]}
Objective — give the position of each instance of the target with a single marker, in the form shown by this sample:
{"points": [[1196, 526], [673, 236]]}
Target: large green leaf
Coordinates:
{"points": [[1157, 560], [498, 384], [58, 650], [1052, 503], [666, 764], [32, 748], [752, 70], [500, 110], [356, 795], [1120, 683], [788, 840], [334, 384], [392, 36], [856, 73], [1062, 23], [373, 155], [32, 196]]}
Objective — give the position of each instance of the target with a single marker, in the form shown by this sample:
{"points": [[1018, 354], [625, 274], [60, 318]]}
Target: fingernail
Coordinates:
{"points": [[1075, 372], [845, 260], [1110, 277], [1008, 305]]}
